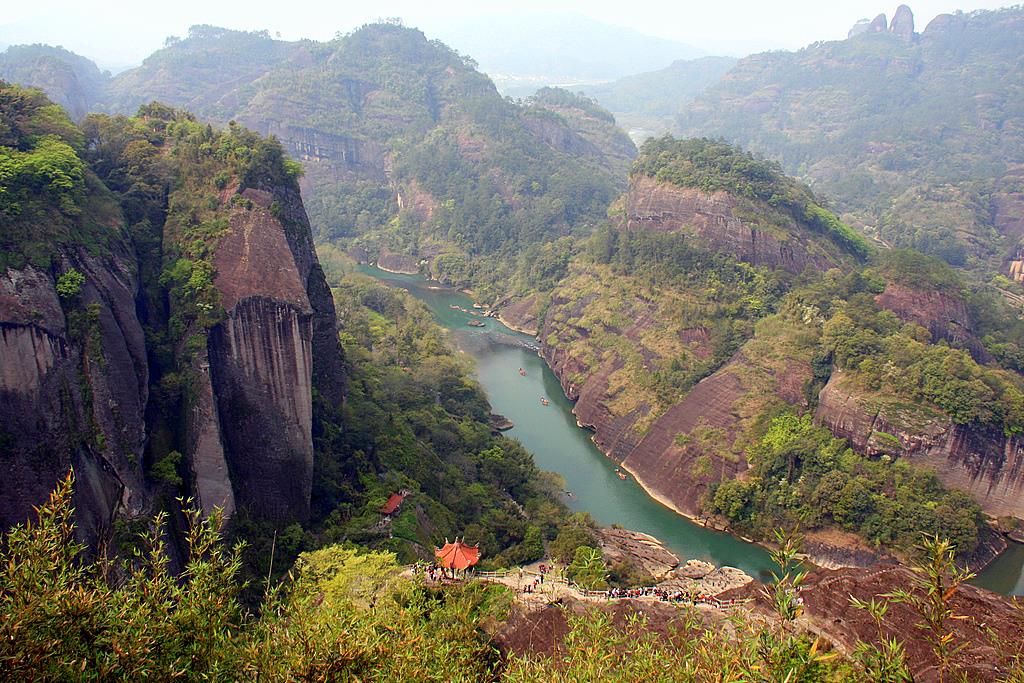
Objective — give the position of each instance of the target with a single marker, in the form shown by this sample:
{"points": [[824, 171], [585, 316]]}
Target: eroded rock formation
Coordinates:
{"points": [[73, 398], [75, 375], [713, 218], [902, 25], [982, 461]]}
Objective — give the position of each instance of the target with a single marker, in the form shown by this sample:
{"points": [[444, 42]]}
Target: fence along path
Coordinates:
{"points": [[514, 578]]}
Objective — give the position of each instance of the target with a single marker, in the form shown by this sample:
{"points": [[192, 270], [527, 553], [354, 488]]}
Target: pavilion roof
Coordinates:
{"points": [[457, 555]]}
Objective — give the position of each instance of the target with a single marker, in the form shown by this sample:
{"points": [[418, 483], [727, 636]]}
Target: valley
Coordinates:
{"points": [[280, 317]]}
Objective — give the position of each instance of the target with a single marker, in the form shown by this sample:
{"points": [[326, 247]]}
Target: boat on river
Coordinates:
{"points": [[476, 323], [522, 372], [622, 475], [544, 401]]}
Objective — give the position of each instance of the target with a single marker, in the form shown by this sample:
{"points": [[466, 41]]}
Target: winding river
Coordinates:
{"points": [[559, 445]]}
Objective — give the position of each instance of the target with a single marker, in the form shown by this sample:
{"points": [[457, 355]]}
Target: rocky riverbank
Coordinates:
{"points": [[651, 555]]}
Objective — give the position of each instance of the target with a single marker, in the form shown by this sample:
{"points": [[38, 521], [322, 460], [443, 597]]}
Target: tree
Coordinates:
{"points": [[587, 568], [69, 285]]}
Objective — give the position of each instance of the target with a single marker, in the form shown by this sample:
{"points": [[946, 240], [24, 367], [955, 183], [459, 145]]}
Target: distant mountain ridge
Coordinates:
{"points": [[524, 51], [646, 104], [72, 81], [400, 133], [918, 138]]}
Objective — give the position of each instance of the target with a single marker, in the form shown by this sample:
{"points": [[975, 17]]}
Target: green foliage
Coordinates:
{"points": [[587, 568], [936, 580], [69, 284], [165, 470], [802, 475], [48, 198], [881, 354], [60, 619], [570, 537]]}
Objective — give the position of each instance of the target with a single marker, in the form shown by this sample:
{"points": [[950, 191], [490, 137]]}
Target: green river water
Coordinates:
{"points": [[559, 445]]}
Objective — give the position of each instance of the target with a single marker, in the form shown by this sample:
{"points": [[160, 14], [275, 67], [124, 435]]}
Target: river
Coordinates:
{"points": [[559, 445]]}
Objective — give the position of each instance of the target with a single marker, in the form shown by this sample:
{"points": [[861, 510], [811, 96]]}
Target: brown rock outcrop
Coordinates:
{"points": [[260, 363], [398, 263], [981, 461], [878, 25], [944, 315], [827, 606], [68, 402], [644, 551], [902, 25], [522, 315], [663, 207]]}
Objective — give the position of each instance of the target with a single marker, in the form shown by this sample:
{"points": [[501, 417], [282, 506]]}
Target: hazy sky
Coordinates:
{"points": [[118, 33]]}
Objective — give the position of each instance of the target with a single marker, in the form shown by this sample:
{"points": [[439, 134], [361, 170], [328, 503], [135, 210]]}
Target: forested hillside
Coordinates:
{"points": [[407, 148], [70, 80], [916, 137], [728, 302], [168, 332]]}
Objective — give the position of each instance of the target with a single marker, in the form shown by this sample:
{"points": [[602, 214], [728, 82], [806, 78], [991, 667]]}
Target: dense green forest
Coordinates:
{"points": [[804, 477]]}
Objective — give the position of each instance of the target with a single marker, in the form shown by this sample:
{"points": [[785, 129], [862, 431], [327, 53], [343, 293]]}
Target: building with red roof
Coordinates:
{"points": [[394, 502], [457, 556]]}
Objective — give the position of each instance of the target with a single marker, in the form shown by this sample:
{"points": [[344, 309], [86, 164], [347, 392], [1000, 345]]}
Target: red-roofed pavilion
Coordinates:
{"points": [[457, 556]]}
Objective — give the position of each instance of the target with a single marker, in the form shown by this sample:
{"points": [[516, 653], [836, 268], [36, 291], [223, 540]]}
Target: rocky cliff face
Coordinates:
{"points": [[902, 25], [258, 377], [675, 450], [983, 462], [714, 219], [73, 398], [204, 330], [944, 315]]}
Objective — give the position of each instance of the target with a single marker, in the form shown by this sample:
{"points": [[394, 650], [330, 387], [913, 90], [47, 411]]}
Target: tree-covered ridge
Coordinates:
{"points": [[880, 353], [714, 165], [48, 197], [196, 71], [913, 139], [70, 80]]}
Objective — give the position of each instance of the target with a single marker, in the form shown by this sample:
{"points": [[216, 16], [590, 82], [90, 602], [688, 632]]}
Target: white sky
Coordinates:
{"points": [[119, 33]]}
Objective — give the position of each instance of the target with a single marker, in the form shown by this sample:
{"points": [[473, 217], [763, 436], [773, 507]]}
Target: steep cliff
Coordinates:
{"points": [[73, 369], [716, 218], [261, 356], [980, 460], [182, 311]]}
